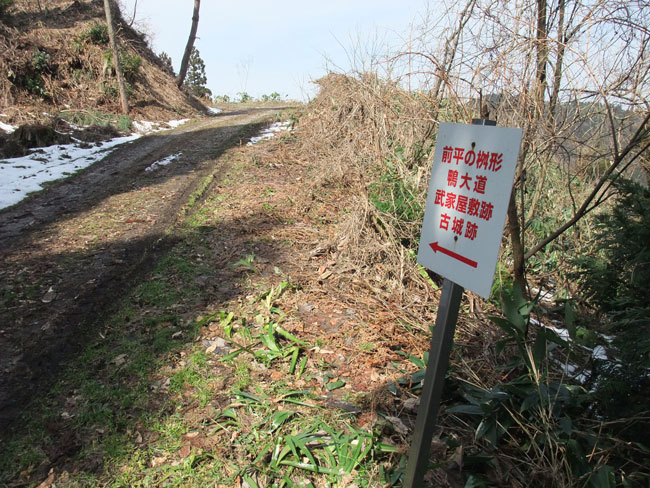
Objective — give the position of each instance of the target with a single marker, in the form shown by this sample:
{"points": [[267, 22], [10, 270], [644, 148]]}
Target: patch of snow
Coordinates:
{"points": [[162, 162], [562, 333], [600, 352], [582, 379], [24, 175], [570, 368], [7, 128], [175, 123], [214, 110], [269, 133], [544, 296], [145, 127]]}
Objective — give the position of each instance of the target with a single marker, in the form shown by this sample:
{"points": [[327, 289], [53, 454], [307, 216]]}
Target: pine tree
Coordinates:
{"points": [[196, 78], [167, 62]]}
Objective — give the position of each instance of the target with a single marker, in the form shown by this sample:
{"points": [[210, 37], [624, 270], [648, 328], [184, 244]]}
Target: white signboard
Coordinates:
{"points": [[469, 191]]}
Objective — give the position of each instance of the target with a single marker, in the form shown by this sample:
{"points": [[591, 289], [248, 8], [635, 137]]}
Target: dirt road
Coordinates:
{"points": [[66, 254]]}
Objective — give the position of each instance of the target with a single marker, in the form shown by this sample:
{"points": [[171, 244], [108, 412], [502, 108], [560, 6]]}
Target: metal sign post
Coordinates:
{"points": [[442, 341]]}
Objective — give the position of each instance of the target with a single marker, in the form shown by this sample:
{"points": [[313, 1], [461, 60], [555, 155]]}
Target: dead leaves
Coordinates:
{"points": [[49, 296]]}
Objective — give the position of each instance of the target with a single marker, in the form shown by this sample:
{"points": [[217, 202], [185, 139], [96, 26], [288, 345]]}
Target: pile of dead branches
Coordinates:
{"points": [[368, 135]]}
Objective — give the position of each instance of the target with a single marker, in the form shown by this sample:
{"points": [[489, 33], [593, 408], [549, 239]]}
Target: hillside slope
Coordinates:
{"points": [[58, 63]]}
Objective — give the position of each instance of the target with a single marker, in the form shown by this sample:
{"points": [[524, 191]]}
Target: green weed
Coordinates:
{"points": [[156, 293], [97, 33], [40, 61], [90, 117], [246, 262]]}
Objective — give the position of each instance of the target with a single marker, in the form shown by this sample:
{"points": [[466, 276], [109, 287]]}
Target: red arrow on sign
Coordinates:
{"points": [[454, 255]]}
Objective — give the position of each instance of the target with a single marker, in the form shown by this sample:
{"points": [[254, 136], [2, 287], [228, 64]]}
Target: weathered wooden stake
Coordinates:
{"points": [[441, 344]]}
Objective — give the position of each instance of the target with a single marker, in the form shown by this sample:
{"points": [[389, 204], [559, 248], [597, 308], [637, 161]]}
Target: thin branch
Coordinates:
{"points": [[585, 207]]}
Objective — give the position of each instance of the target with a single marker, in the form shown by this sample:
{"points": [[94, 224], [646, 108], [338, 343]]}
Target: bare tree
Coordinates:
{"points": [[180, 79], [574, 75], [124, 99], [135, 10]]}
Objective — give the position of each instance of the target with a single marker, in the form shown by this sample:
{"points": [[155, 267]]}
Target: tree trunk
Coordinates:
{"points": [[190, 44], [542, 55], [124, 99], [515, 227], [561, 46]]}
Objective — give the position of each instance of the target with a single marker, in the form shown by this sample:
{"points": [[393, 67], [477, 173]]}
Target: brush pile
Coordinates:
{"points": [[370, 136]]}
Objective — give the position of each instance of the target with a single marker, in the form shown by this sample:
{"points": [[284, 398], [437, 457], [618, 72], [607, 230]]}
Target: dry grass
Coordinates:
{"points": [[77, 75], [351, 132]]}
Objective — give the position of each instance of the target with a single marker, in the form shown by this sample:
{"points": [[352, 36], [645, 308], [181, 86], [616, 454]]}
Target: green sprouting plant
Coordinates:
{"points": [[392, 195], [86, 118], [123, 123], [130, 63], [325, 450], [273, 97], [35, 84], [269, 297], [40, 61], [221, 99], [109, 90], [167, 62], [538, 412], [272, 343], [413, 381], [295, 444], [97, 33], [244, 97], [247, 262]]}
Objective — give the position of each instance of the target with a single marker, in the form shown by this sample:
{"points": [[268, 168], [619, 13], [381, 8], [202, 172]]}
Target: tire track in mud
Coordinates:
{"points": [[70, 252]]}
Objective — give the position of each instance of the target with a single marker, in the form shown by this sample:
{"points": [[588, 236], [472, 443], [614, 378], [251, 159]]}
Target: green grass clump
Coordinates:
{"points": [[91, 117], [97, 33]]}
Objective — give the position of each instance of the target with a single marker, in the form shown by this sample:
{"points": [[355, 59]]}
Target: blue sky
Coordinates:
{"points": [[260, 47]]}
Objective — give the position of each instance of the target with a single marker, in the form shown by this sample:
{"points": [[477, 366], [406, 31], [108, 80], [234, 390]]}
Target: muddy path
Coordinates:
{"points": [[69, 252]]}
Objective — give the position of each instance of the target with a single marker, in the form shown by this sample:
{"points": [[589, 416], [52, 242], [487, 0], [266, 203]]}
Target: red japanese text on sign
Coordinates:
{"points": [[469, 190], [488, 161]]}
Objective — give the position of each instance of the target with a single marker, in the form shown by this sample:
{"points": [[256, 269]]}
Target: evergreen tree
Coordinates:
{"points": [[196, 78], [167, 62]]}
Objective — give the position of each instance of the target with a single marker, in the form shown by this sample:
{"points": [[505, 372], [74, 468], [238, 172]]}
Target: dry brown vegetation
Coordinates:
{"points": [[55, 65]]}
